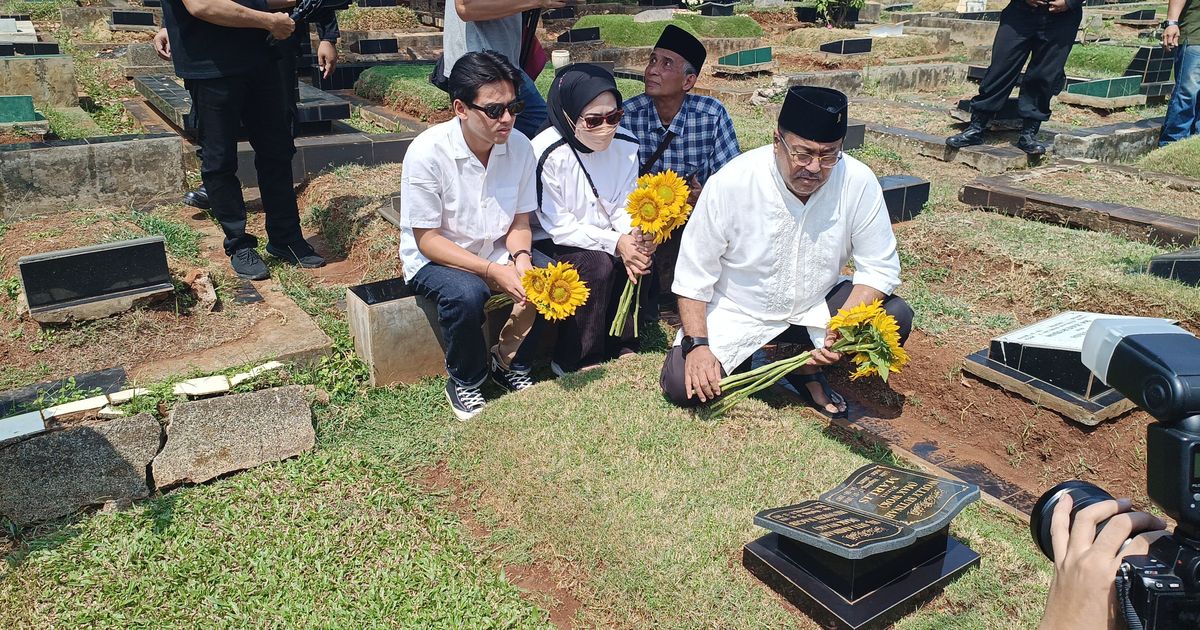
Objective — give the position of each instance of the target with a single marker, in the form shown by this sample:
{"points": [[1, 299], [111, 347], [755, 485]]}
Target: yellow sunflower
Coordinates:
{"points": [[670, 189], [535, 283], [565, 292], [865, 367], [857, 315], [647, 212]]}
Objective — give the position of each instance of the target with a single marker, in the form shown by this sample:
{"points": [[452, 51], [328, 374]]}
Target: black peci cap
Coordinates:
{"points": [[814, 113], [683, 44]]}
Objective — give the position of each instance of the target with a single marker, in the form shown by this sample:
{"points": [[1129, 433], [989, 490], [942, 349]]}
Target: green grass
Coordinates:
{"points": [[1098, 61], [38, 10], [356, 18], [402, 84], [621, 30], [68, 125], [1180, 158], [650, 505]]}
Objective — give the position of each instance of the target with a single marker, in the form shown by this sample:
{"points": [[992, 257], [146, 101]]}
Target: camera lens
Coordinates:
{"points": [[1082, 493]]}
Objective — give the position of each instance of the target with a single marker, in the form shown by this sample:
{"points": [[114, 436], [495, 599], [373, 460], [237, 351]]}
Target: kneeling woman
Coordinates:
{"points": [[587, 166]]}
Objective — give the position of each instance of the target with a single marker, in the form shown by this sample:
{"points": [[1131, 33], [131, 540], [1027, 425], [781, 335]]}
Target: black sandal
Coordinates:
{"points": [[801, 381]]}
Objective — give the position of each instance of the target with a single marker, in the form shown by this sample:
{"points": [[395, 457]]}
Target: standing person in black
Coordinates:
{"points": [[1042, 32], [221, 50]]}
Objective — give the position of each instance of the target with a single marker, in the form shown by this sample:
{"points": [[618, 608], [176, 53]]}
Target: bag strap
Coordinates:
{"points": [[658, 153], [529, 24]]}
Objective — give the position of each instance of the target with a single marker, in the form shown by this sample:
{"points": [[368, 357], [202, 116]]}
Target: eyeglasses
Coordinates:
{"points": [[496, 110], [800, 158], [591, 121]]}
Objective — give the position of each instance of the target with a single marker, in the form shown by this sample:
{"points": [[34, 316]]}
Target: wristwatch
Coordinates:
{"points": [[1167, 23], [521, 251], [691, 343]]}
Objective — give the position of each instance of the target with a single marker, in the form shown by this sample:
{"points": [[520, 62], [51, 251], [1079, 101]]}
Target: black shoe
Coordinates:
{"points": [[249, 265], [466, 402], [973, 134], [197, 198], [511, 380], [299, 253], [1028, 140]]}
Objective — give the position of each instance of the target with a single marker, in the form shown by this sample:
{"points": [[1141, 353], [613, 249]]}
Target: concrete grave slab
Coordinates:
{"points": [[49, 79], [209, 438], [59, 473], [395, 332]]}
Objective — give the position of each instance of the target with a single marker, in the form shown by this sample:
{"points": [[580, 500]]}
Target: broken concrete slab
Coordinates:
{"points": [[213, 437], [59, 473]]}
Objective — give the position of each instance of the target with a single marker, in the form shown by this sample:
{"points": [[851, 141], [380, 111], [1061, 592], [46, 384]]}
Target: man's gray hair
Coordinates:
{"points": [[688, 68]]}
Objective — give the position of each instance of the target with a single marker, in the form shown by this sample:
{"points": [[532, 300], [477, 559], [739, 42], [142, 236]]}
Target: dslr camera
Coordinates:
{"points": [[1157, 366]]}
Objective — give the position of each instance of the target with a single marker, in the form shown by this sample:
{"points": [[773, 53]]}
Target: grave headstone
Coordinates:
{"points": [[1152, 63], [848, 46], [375, 47], [7, 50], [905, 196], [769, 4], [152, 4], [721, 8], [746, 57], [377, 3], [810, 14], [8, 26], [133, 18], [866, 552], [394, 332], [562, 13], [1042, 363], [1183, 265], [577, 35], [36, 48], [95, 281], [1143, 14], [887, 30], [899, 6], [16, 109]]}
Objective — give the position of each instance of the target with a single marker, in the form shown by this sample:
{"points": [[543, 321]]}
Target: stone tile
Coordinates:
{"points": [[238, 379], [109, 412], [203, 386], [87, 404], [59, 473], [213, 437], [126, 395], [21, 425]]}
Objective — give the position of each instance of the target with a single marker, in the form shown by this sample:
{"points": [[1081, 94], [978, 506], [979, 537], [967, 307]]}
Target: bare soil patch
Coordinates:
{"points": [[547, 586], [1101, 184], [30, 352]]}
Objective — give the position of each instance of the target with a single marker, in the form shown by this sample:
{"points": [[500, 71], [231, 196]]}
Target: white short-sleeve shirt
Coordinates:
{"points": [[445, 186]]}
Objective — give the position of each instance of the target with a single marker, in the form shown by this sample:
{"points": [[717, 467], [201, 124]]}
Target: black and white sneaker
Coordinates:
{"points": [[466, 402], [511, 380]]}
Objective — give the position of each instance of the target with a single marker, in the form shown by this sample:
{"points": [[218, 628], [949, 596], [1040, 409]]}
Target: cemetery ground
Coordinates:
{"points": [[587, 500]]}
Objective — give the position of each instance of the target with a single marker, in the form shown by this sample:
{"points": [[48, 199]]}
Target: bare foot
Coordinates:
{"points": [[818, 393]]}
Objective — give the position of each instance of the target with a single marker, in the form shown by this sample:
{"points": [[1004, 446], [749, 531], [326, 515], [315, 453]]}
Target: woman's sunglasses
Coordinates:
{"points": [[591, 121], [496, 110]]}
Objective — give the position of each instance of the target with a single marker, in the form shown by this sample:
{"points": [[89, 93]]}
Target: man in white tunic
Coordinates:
{"points": [[761, 258]]}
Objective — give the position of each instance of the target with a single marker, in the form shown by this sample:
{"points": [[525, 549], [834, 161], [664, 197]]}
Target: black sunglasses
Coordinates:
{"points": [[496, 110], [591, 121]]}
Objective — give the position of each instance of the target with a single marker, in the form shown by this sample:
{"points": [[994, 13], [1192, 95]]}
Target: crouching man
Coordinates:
{"points": [[761, 256], [467, 191]]}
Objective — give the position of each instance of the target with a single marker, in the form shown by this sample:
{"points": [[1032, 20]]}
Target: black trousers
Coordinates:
{"points": [[254, 101], [1035, 35], [583, 339], [672, 377]]}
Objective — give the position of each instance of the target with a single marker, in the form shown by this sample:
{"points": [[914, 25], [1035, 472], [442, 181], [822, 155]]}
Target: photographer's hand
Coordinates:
{"points": [[1083, 593]]}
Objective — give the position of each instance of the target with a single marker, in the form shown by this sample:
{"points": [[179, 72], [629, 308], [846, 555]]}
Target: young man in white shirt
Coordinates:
{"points": [[761, 255], [468, 189]]}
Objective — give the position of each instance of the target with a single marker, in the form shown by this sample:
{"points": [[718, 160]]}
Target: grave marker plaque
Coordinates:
{"points": [[848, 46], [1152, 63], [375, 47], [905, 196], [1042, 362], [16, 109], [1183, 265], [869, 550], [133, 18], [722, 8], [579, 35], [94, 281]]}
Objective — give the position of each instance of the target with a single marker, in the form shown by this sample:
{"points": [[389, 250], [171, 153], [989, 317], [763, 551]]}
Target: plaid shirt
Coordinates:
{"points": [[704, 142]]}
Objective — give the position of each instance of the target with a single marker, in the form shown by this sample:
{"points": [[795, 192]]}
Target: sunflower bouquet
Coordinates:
{"points": [[866, 332], [658, 207], [556, 291]]}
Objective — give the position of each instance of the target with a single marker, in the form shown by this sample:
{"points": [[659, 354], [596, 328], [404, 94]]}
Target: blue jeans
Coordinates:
{"points": [[531, 121], [460, 297], [1181, 111]]}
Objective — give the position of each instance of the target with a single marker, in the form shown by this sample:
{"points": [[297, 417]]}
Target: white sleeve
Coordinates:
{"points": [[872, 242], [421, 190], [621, 220], [560, 223], [704, 242], [527, 191]]}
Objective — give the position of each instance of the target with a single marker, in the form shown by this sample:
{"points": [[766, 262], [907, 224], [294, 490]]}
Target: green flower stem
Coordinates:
{"points": [[497, 302], [618, 325]]}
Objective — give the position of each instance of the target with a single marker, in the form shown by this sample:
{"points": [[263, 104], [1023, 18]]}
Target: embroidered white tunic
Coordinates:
{"points": [[570, 214], [762, 260], [445, 186]]}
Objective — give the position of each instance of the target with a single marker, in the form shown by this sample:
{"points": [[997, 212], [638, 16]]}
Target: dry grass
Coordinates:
{"points": [[1101, 184]]}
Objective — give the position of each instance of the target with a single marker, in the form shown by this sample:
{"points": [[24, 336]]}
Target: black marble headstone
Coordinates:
{"points": [[36, 48], [1142, 15], [152, 4], [580, 35], [717, 9], [375, 46], [106, 381], [810, 14], [7, 50], [97, 272], [905, 196], [1183, 265], [848, 46], [133, 18], [867, 551], [1153, 63], [563, 13]]}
